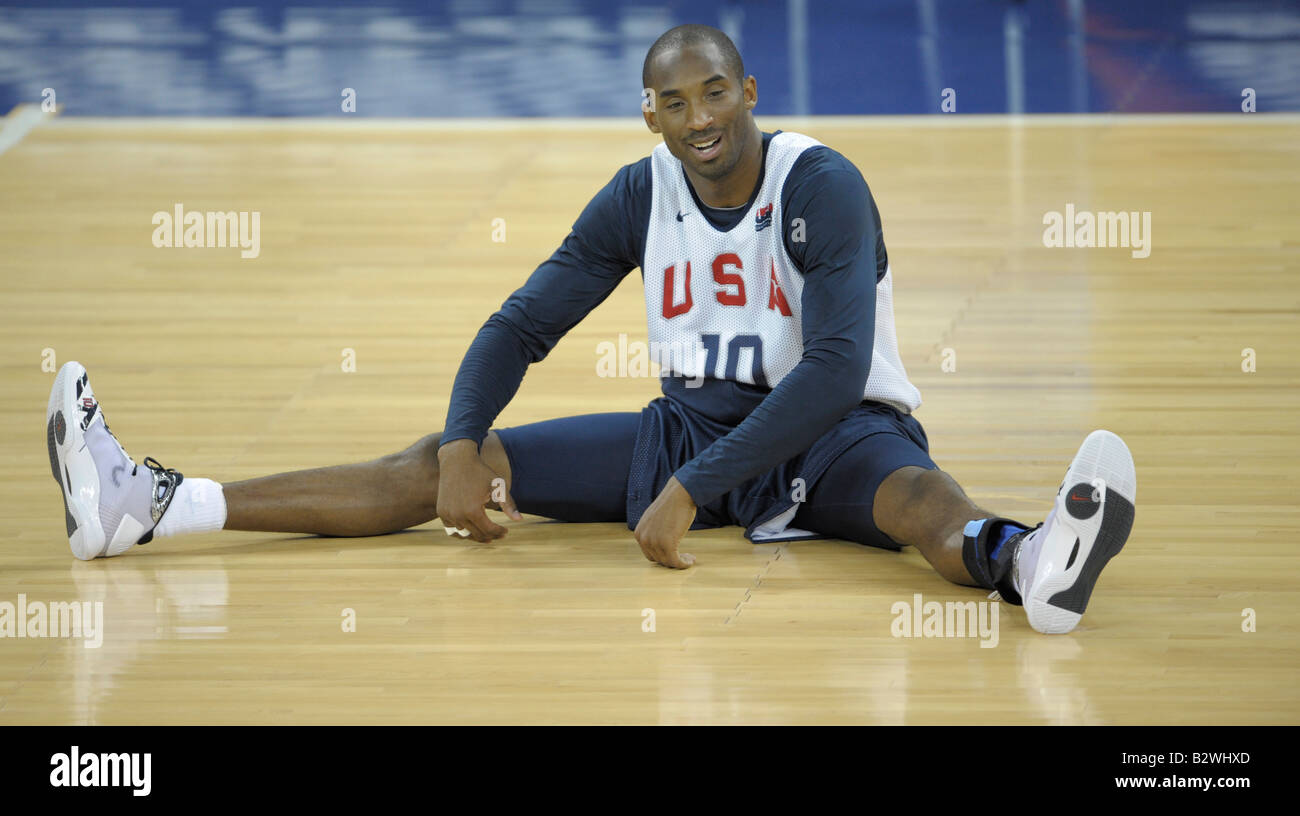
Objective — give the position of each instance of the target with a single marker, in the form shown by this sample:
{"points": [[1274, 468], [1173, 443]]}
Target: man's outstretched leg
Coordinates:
{"points": [[365, 499], [112, 504], [1051, 569]]}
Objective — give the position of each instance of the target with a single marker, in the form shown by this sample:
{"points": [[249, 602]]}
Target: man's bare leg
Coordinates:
{"points": [[928, 510], [1050, 570], [370, 498]]}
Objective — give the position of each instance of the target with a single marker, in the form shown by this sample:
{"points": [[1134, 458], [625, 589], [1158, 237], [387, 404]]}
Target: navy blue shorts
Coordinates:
{"points": [[610, 467]]}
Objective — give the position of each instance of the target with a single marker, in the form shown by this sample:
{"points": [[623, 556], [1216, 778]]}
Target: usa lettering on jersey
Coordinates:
{"points": [[726, 304]]}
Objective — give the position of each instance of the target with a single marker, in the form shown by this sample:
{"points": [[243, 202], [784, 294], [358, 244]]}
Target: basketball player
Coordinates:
{"points": [[787, 412]]}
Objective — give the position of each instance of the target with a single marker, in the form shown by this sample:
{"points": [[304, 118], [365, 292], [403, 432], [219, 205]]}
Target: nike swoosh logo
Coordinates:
{"points": [[681, 215]]}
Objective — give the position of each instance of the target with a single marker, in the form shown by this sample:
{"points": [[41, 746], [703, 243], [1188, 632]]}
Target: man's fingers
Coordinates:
{"points": [[666, 554], [479, 518], [467, 524], [648, 553], [678, 561], [476, 532], [456, 526], [509, 508], [445, 520], [650, 549]]}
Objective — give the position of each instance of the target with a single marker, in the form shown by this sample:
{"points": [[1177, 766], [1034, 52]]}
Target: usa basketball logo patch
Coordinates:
{"points": [[763, 219]]}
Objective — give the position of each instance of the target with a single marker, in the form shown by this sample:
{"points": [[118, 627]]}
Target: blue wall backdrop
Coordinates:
{"points": [[539, 58]]}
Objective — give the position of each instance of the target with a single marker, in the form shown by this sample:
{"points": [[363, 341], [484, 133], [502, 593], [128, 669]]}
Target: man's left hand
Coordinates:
{"points": [[664, 523]]}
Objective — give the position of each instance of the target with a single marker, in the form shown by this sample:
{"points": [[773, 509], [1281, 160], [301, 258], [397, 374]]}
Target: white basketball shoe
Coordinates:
{"points": [[1057, 564], [109, 503]]}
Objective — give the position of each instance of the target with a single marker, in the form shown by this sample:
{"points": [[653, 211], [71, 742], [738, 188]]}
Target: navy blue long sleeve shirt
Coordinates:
{"points": [[839, 249]]}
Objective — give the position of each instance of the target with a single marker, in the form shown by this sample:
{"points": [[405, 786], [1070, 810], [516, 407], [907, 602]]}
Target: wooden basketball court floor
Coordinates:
{"points": [[377, 242]]}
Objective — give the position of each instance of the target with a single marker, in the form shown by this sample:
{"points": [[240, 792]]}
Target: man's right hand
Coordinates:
{"points": [[466, 486]]}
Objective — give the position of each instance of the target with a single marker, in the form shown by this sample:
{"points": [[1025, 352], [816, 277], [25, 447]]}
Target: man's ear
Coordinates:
{"points": [[751, 92], [648, 103]]}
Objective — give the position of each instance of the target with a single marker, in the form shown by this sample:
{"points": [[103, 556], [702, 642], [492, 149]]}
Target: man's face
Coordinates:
{"points": [[697, 101]]}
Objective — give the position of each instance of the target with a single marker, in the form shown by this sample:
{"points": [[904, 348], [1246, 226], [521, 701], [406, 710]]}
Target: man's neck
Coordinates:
{"points": [[734, 189]]}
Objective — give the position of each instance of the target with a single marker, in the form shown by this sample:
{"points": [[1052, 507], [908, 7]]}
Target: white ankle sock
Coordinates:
{"points": [[199, 506]]}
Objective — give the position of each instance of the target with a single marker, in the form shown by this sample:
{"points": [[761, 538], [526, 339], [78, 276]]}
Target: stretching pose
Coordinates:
{"points": [[785, 410]]}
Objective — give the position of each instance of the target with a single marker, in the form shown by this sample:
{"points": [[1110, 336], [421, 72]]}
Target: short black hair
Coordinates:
{"points": [[694, 34]]}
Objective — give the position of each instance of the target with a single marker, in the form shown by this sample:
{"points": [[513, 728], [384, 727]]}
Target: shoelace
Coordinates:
{"points": [[165, 474], [165, 479], [165, 482]]}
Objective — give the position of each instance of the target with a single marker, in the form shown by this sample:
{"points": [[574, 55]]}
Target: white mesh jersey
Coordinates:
{"points": [[727, 304]]}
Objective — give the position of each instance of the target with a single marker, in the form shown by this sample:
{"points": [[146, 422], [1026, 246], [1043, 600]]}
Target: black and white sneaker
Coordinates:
{"points": [[109, 504], [1058, 563]]}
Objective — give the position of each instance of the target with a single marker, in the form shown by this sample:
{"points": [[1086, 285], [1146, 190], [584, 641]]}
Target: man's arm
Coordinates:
{"points": [[558, 295], [839, 265], [605, 244], [603, 247]]}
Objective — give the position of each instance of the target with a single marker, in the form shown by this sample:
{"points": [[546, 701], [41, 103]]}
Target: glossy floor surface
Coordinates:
{"points": [[377, 263]]}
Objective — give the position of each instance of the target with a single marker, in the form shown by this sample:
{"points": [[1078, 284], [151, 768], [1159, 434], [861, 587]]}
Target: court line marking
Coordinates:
{"points": [[631, 123], [20, 121], [756, 584]]}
